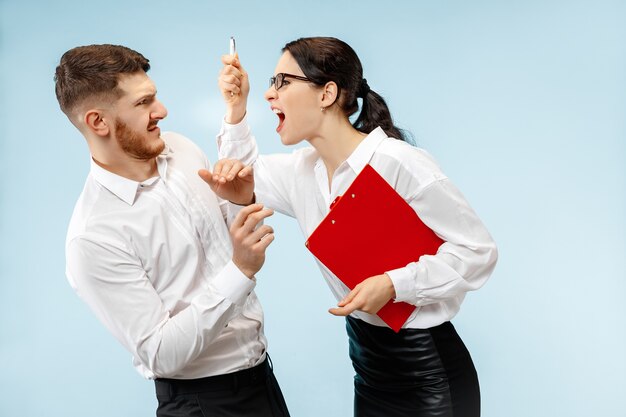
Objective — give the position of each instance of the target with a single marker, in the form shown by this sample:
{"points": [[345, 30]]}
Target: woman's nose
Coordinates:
{"points": [[270, 93]]}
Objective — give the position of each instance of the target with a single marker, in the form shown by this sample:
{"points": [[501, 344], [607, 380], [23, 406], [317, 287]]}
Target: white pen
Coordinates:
{"points": [[233, 50]]}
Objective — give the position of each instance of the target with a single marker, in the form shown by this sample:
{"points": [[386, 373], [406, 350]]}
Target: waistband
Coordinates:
{"points": [[411, 357], [166, 387]]}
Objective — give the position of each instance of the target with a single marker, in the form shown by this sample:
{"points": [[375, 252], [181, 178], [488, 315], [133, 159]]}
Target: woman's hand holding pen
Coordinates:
{"points": [[235, 86], [231, 180], [369, 296]]}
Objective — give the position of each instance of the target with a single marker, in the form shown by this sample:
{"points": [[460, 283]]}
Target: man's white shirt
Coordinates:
{"points": [[153, 262]]}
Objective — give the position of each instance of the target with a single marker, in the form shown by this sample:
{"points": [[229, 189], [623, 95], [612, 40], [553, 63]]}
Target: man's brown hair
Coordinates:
{"points": [[88, 71]]}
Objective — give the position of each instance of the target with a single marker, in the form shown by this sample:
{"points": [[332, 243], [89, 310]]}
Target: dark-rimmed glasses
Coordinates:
{"points": [[278, 81]]}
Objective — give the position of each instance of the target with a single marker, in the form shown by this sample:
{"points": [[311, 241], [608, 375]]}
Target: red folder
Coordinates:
{"points": [[370, 230]]}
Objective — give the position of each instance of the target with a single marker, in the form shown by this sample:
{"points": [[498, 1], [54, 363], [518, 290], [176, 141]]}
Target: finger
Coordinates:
{"points": [[258, 234], [217, 168], [233, 78], [237, 63], [233, 91], [228, 83], [348, 298], [235, 169], [243, 214], [254, 219], [230, 70], [246, 171], [207, 176], [225, 86], [230, 59], [232, 74], [265, 241], [229, 88], [343, 311], [223, 171], [229, 75]]}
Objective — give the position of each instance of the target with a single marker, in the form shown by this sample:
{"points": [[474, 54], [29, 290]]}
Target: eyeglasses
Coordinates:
{"points": [[278, 81]]}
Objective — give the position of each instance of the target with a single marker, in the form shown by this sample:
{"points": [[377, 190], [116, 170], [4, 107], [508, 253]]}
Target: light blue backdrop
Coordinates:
{"points": [[522, 103]]}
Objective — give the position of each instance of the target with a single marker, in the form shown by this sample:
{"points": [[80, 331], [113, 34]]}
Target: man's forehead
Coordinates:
{"points": [[136, 84]]}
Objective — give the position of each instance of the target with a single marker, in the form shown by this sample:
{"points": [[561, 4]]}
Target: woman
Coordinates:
{"points": [[425, 369]]}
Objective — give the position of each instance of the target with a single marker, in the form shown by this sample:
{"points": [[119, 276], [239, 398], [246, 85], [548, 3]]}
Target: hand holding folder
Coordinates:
{"points": [[368, 231]]}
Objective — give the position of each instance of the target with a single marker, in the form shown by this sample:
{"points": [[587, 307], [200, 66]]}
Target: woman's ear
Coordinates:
{"points": [[329, 94], [94, 120]]}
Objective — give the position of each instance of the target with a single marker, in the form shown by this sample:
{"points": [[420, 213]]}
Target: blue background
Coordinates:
{"points": [[522, 103]]}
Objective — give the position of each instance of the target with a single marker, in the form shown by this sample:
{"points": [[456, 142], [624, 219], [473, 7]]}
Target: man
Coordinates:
{"points": [[148, 248]]}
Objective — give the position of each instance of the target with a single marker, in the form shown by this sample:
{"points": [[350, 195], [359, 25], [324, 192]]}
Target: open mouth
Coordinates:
{"points": [[281, 119]]}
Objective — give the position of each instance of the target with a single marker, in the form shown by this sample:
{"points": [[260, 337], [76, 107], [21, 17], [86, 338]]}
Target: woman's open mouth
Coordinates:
{"points": [[281, 119]]}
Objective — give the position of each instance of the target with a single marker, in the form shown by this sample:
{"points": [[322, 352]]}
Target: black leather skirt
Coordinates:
{"points": [[415, 372]]}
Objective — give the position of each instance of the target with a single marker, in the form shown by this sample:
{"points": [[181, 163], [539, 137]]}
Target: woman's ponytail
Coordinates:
{"points": [[374, 113]]}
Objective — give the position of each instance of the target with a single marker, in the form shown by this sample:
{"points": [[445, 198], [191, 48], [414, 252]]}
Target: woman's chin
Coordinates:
{"points": [[288, 141]]}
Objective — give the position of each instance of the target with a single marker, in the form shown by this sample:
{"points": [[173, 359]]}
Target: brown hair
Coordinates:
{"points": [[93, 70], [324, 59]]}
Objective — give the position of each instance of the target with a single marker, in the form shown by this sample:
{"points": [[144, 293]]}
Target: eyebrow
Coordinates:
{"points": [[150, 95]]}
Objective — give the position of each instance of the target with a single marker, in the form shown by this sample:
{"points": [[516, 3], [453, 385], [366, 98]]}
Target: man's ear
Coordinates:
{"points": [[96, 123], [329, 94]]}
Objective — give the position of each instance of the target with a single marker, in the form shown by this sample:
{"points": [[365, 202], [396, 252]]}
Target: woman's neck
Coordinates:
{"points": [[336, 141]]}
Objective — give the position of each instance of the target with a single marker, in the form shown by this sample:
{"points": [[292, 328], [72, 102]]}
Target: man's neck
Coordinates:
{"points": [[134, 169]]}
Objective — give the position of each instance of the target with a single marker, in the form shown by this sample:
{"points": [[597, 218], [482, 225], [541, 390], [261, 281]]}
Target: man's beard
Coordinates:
{"points": [[136, 144]]}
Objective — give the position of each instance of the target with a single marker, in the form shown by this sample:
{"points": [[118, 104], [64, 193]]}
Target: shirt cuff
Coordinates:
{"points": [[229, 132], [403, 283], [232, 210], [233, 284]]}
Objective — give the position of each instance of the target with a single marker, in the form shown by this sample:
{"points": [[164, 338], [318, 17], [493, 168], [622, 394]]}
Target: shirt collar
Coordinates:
{"points": [[124, 188], [363, 153]]}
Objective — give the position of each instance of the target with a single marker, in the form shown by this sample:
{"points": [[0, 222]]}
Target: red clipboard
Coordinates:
{"points": [[370, 230]]}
